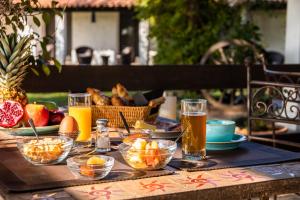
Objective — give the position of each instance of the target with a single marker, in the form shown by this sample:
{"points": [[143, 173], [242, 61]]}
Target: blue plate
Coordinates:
{"points": [[233, 144]]}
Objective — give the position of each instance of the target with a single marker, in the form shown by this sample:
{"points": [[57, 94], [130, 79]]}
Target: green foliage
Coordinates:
{"points": [[60, 98], [16, 14], [184, 30]]}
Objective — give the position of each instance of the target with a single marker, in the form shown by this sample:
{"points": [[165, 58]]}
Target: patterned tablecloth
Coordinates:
{"points": [[230, 183]]}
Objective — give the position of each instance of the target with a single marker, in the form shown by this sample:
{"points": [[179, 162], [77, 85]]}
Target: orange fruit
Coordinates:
{"points": [[94, 160], [87, 171]]}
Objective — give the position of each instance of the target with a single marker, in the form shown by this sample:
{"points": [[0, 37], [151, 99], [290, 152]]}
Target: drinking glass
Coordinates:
{"points": [[80, 108], [193, 123]]}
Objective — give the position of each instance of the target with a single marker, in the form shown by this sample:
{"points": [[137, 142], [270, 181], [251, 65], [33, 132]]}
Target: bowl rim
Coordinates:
{"points": [[108, 164], [189, 100], [24, 139], [227, 122], [123, 147]]}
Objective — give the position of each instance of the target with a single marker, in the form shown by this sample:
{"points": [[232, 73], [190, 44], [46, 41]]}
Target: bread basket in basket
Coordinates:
{"points": [[131, 113]]}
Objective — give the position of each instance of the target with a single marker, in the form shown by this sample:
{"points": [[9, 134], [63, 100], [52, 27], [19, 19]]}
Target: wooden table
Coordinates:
{"points": [[231, 183]]}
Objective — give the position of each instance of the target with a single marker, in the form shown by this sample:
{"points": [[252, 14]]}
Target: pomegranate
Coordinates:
{"points": [[11, 112]]}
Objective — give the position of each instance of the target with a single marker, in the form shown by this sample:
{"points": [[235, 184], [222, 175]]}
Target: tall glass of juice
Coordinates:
{"points": [[80, 108], [193, 123]]}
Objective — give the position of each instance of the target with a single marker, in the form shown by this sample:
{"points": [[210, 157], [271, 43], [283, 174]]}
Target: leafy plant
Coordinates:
{"points": [[184, 30], [14, 15]]}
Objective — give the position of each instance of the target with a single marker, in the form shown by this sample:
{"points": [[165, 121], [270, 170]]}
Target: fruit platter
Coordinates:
{"points": [[14, 117]]}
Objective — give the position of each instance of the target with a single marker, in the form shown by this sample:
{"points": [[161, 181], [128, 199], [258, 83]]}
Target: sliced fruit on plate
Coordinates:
{"points": [[11, 112]]}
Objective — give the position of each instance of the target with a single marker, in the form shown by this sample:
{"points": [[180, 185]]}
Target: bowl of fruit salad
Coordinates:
{"points": [[45, 151], [145, 154], [90, 167]]}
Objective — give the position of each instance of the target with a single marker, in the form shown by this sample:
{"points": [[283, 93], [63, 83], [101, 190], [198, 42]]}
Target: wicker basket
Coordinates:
{"points": [[131, 113]]}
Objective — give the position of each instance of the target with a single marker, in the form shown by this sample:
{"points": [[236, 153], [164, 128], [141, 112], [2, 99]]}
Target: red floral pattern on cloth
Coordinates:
{"points": [[100, 193], [239, 175], [155, 186], [199, 181]]}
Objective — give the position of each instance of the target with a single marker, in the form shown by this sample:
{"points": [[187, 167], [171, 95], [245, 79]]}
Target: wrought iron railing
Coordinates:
{"points": [[275, 100]]}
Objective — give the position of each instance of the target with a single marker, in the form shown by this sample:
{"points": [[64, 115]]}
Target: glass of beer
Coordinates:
{"points": [[193, 123], [80, 108]]}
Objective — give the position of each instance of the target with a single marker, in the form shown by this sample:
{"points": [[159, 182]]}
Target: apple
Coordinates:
{"points": [[38, 113]]}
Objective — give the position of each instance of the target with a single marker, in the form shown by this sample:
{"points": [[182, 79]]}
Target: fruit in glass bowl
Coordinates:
{"points": [[45, 151], [133, 136], [90, 167], [148, 154]]}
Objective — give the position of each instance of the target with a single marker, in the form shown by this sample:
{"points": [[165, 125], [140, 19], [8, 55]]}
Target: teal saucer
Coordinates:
{"points": [[233, 144], [27, 131]]}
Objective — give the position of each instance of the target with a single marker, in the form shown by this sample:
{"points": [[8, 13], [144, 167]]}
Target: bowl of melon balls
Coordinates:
{"points": [[148, 154]]}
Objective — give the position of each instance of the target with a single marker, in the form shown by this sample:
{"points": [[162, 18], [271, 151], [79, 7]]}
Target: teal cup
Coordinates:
{"points": [[219, 130]]}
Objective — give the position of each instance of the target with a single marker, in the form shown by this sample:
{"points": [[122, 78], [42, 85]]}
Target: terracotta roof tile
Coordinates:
{"points": [[90, 3], [115, 3], [254, 1]]}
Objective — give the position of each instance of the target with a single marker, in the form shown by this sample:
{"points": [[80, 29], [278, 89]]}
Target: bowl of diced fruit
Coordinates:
{"points": [[90, 167], [45, 150], [145, 154]]}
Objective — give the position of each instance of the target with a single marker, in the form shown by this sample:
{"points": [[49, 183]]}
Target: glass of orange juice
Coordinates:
{"points": [[80, 108]]}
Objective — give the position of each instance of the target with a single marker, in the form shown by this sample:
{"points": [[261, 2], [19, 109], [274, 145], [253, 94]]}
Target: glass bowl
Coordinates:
{"points": [[145, 158], [135, 135], [79, 167], [47, 151]]}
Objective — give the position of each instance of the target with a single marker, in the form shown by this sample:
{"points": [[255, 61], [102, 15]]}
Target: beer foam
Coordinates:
{"points": [[194, 113]]}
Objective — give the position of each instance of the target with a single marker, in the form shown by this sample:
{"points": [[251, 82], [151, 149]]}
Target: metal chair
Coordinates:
{"points": [[84, 55], [275, 100], [274, 58]]}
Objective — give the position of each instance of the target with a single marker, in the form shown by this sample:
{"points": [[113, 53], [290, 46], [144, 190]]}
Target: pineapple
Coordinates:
{"points": [[14, 56]]}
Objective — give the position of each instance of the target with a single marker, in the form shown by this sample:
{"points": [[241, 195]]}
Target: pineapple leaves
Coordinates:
{"points": [[13, 64], [14, 55], [13, 40], [15, 49], [35, 71], [2, 52], [3, 60], [14, 59], [2, 72], [5, 45], [20, 43]]}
